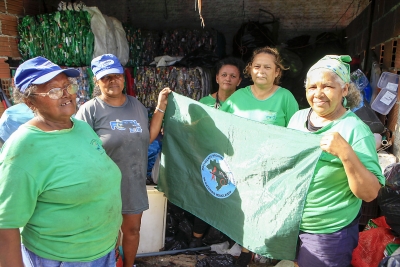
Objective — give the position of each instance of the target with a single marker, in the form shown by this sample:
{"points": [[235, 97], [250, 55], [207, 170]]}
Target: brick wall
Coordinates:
{"points": [[10, 12]]}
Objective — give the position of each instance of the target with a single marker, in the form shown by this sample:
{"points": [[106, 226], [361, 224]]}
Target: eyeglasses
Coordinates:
{"points": [[110, 77], [57, 93]]}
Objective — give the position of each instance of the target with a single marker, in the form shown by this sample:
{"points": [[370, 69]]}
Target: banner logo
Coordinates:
{"points": [[217, 176]]}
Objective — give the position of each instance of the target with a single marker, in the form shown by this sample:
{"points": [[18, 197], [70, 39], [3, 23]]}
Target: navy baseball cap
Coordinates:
{"points": [[39, 70], [106, 64]]}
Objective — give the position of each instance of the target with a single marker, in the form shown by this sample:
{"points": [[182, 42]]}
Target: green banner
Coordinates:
{"points": [[245, 178]]}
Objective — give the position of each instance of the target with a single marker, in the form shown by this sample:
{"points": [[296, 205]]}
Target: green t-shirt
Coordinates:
{"points": [[330, 204], [209, 101], [63, 189], [276, 109]]}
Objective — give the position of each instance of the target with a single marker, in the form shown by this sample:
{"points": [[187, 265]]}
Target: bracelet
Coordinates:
{"points": [[162, 111]]}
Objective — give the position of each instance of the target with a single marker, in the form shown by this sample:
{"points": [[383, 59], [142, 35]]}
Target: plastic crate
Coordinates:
{"points": [[369, 210]]}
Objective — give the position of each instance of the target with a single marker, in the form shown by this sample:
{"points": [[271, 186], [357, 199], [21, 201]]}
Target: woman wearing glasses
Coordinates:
{"points": [[121, 122], [55, 177]]}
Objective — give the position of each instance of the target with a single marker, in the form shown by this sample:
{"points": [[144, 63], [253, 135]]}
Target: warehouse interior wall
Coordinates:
{"points": [[295, 17]]}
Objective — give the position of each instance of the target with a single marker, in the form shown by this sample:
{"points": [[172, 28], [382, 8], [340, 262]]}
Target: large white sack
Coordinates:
{"points": [[110, 36], [99, 28], [122, 43]]}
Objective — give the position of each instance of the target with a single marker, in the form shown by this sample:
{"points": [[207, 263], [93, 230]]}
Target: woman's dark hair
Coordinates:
{"points": [[271, 51], [238, 63]]}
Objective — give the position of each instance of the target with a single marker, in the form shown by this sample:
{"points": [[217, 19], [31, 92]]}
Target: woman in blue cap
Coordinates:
{"points": [[121, 122], [347, 172], [55, 178]]}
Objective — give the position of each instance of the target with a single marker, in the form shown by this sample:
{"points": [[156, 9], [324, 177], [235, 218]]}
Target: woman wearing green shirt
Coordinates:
{"points": [[347, 171], [264, 101], [228, 77]]}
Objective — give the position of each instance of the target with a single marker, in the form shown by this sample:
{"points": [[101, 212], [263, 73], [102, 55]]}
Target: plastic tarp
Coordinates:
{"points": [[12, 118]]}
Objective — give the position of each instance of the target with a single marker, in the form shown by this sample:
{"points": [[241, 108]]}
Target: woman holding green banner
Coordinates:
{"points": [[229, 76], [347, 172], [264, 101], [121, 122]]}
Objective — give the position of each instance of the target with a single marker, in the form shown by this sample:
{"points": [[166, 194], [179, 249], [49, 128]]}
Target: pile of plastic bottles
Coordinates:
{"points": [[64, 37]]}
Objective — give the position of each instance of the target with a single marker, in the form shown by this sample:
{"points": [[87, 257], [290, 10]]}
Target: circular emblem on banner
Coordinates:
{"points": [[217, 176]]}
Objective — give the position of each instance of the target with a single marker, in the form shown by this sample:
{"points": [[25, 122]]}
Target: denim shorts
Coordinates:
{"points": [[32, 260], [328, 250]]}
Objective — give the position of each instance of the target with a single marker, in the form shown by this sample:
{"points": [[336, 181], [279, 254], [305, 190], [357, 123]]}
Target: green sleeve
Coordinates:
{"points": [[18, 195], [292, 108], [365, 148]]}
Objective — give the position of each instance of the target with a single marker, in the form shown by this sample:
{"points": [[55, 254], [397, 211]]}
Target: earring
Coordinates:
{"points": [[344, 102]]}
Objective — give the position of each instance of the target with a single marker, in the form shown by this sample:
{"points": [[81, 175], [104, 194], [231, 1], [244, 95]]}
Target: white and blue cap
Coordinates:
{"points": [[106, 64], [39, 70]]}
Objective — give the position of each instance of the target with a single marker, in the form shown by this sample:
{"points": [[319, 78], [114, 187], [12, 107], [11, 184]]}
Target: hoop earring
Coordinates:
{"points": [[344, 102]]}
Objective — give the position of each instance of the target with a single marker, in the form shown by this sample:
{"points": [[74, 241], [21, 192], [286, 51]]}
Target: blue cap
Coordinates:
{"points": [[106, 64], [39, 70]]}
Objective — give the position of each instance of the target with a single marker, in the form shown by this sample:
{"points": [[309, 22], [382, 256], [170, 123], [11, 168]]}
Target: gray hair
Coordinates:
{"points": [[354, 95]]}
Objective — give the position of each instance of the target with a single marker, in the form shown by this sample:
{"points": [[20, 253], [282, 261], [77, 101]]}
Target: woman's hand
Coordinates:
{"points": [[163, 98], [335, 144], [156, 121], [363, 183]]}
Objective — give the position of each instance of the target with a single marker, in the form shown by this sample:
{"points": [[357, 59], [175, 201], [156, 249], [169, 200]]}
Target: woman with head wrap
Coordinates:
{"points": [[347, 172], [56, 180]]}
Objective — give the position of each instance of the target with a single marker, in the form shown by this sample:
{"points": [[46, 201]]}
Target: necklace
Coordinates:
{"points": [[217, 104]]}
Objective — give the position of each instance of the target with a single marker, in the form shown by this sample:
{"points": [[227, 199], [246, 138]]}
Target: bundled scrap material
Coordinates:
{"points": [[181, 42], [85, 85], [64, 37], [135, 43], [191, 82], [151, 47]]}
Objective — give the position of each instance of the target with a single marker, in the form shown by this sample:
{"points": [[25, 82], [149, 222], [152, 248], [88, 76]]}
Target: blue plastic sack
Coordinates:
{"points": [[154, 149], [12, 118], [362, 83]]}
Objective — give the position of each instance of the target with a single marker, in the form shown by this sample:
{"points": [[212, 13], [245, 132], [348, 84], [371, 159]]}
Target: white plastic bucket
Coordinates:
{"points": [[152, 230]]}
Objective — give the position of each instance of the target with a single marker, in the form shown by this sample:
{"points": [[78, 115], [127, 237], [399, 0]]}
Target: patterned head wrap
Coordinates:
{"points": [[337, 64]]}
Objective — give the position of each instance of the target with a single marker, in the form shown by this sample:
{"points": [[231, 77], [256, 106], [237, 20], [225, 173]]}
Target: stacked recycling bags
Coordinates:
{"points": [[190, 82], [143, 46], [180, 42], [135, 42], [85, 85], [64, 37]]}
